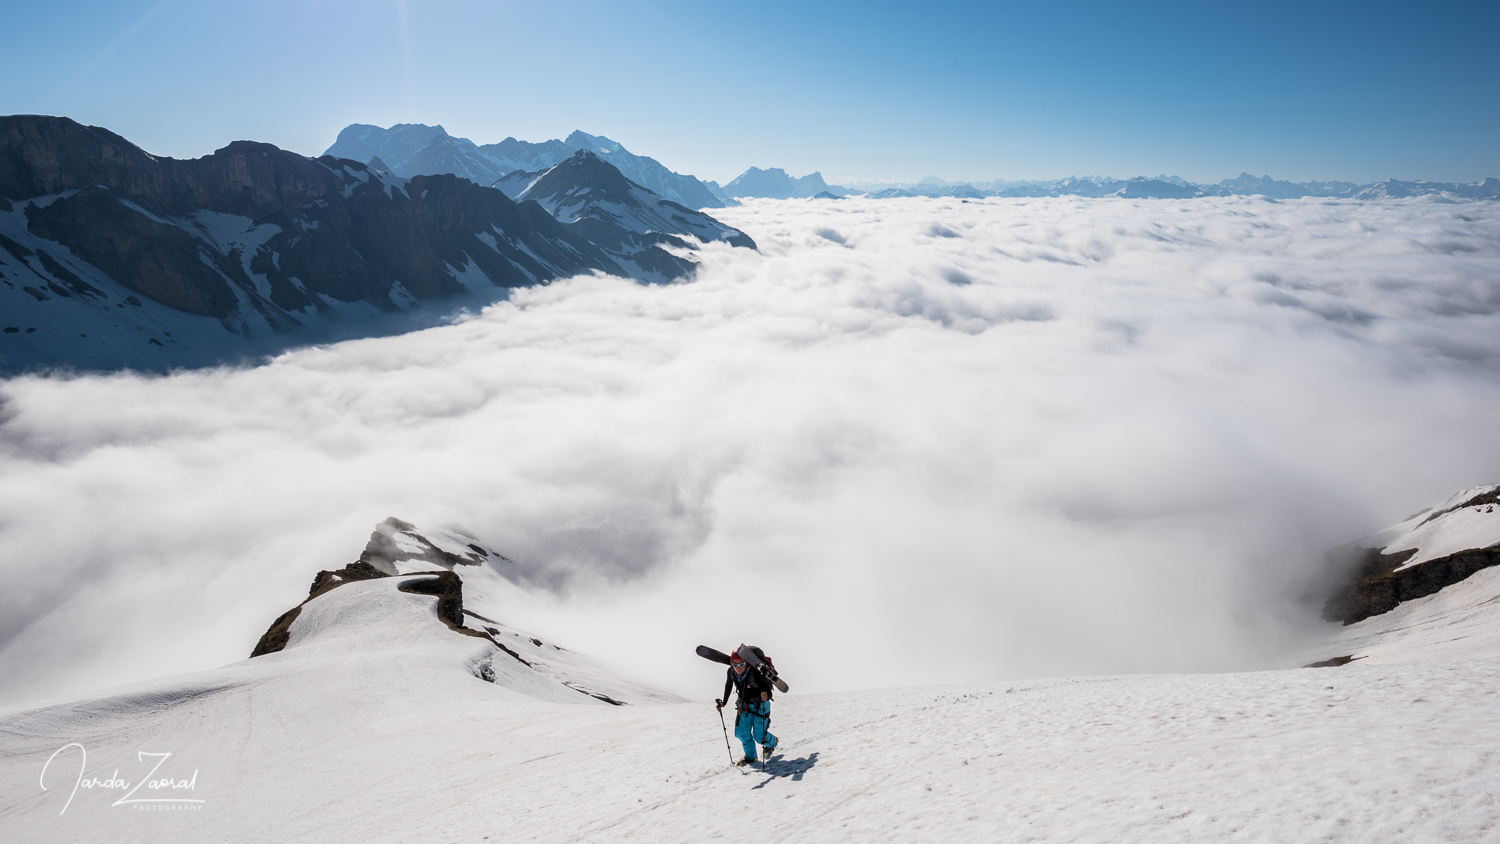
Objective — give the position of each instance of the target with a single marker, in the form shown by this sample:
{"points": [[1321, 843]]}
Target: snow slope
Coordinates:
{"points": [[331, 742], [1464, 521], [1460, 619], [378, 723]]}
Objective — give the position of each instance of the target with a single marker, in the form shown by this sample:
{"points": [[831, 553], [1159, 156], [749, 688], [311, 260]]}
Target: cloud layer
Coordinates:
{"points": [[909, 441]]}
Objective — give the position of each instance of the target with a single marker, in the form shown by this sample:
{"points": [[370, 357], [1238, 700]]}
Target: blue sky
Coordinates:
{"points": [[859, 91]]}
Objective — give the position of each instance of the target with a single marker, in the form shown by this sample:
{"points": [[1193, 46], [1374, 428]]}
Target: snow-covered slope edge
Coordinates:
{"points": [[1427, 588], [1427, 552]]}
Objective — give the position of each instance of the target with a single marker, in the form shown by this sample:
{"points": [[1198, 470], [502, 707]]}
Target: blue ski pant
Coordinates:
{"points": [[750, 728]]}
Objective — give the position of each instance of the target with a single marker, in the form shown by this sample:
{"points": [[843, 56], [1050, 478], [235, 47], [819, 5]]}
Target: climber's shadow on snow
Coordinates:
{"points": [[781, 767]]}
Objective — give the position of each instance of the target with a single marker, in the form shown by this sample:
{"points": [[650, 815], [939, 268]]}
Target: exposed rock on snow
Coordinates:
{"points": [[395, 541], [1431, 550], [440, 563], [276, 637]]}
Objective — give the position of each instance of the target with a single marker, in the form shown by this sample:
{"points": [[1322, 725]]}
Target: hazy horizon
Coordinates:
{"points": [[1342, 91]]}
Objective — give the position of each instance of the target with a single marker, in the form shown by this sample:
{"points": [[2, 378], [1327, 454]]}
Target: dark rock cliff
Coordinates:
{"points": [[1377, 584], [345, 232]]}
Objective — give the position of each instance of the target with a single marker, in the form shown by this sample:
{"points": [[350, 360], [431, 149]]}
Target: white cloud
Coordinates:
{"points": [[910, 441]]}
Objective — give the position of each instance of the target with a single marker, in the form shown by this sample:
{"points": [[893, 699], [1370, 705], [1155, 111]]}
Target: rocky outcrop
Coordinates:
{"points": [[275, 638], [449, 591], [1382, 586], [395, 541], [443, 585], [464, 586], [1431, 550]]}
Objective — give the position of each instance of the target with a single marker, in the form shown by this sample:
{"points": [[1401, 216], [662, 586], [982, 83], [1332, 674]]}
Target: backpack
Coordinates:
{"points": [[761, 655]]}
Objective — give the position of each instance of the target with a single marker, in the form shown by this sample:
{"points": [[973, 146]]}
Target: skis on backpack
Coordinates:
{"points": [[767, 670], [749, 655]]}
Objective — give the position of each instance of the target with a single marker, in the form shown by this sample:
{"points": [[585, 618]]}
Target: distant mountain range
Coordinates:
{"points": [[111, 257], [409, 149], [412, 149], [1173, 187]]}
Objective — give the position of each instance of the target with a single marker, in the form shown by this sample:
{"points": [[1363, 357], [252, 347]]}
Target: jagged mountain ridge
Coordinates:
{"points": [[413, 149], [775, 183], [648, 172], [630, 221], [157, 262]]}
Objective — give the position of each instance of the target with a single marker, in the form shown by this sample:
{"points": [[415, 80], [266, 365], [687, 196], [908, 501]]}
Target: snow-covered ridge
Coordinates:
{"points": [[442, 590], [1458, 524], [414, 149]]}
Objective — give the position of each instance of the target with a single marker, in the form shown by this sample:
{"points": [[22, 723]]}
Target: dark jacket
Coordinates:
{"points": [[748, 687]]}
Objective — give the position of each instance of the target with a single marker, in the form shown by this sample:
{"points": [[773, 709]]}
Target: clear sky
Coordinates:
{"points": [[866, 90]]}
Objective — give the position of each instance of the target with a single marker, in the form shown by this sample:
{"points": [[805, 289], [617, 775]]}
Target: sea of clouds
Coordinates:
{"points": [[908, 441]]}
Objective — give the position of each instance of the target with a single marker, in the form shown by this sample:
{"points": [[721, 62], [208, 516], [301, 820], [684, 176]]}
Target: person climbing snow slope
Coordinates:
{"points": [[753, 708]]}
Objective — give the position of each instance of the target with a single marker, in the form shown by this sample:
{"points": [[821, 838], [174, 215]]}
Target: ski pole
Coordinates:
{"points": [[720, 705], [765, 727]]}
